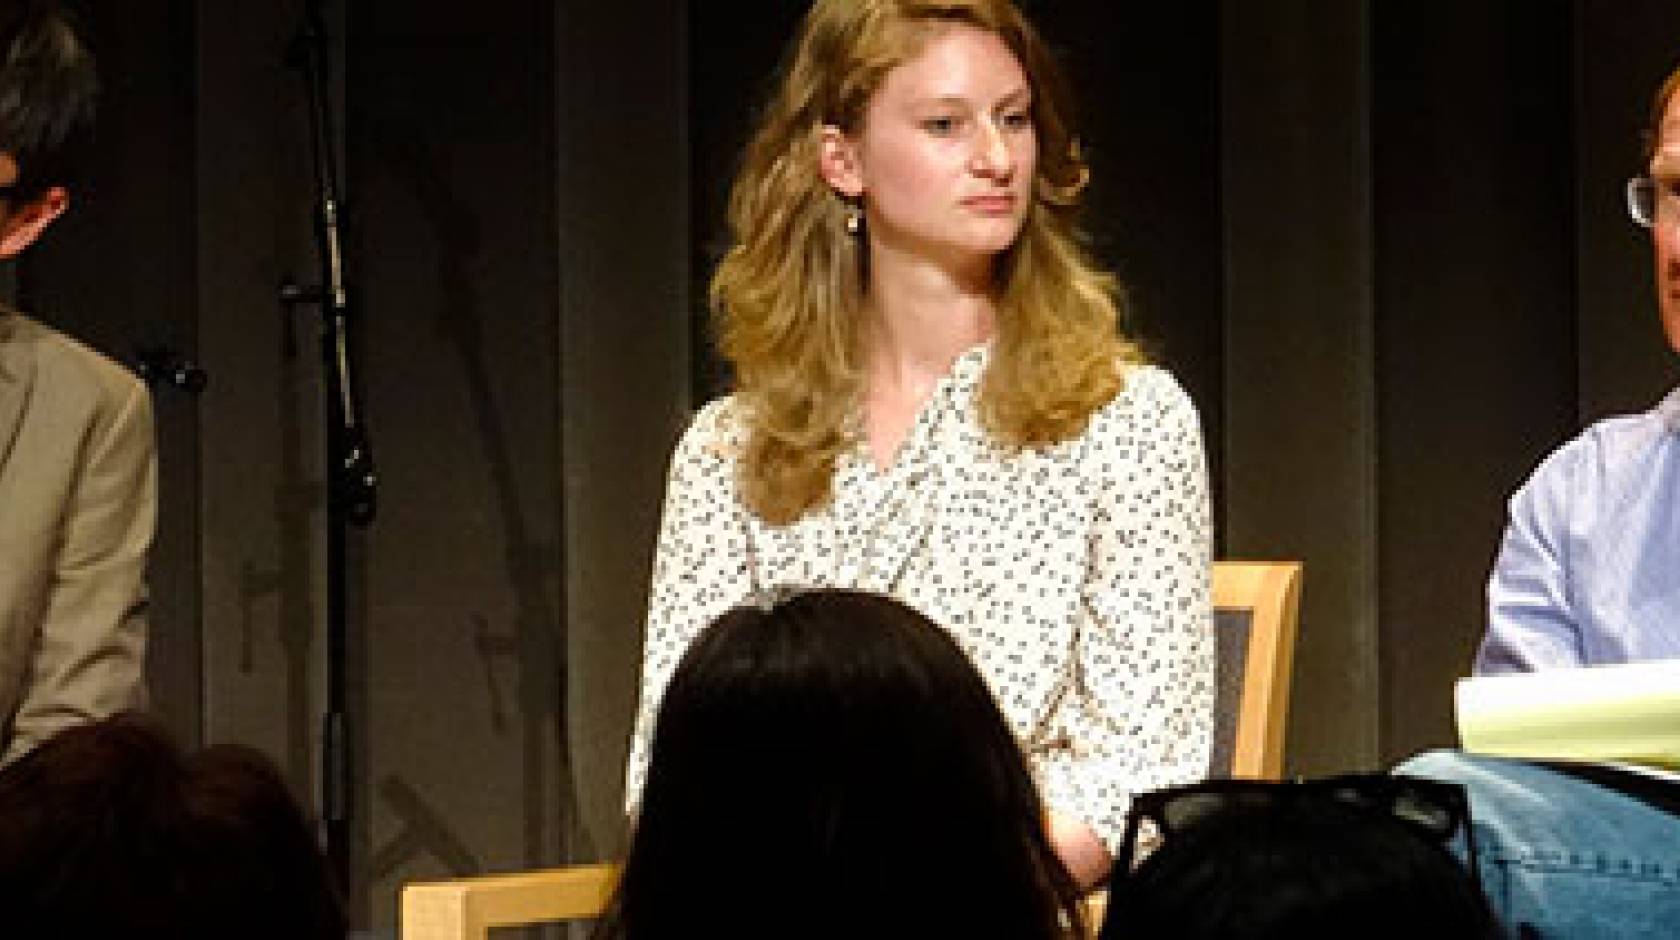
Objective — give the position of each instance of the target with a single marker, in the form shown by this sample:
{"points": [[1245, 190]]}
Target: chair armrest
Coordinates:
{"points": [[466, 908]]}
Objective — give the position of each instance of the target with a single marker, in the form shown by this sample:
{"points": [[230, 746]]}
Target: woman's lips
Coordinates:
{"points": [[991, 203]]}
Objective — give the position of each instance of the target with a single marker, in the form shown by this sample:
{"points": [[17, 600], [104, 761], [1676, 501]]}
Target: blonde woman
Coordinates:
{"points": [[933, 401]]}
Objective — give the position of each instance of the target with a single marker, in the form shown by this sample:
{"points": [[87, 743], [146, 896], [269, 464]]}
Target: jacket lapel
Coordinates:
{"points": [[17, 379]]}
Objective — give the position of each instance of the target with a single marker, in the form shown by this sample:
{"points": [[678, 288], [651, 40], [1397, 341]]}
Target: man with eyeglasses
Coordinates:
{"points": [[1589, 573], [1589, 570], [77, 467]]}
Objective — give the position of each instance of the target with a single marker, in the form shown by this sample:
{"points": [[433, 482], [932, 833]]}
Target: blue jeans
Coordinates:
{"points": [[1562, 857]]}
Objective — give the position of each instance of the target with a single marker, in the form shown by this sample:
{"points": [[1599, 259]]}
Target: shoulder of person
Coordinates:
{"points": [[716, 432], [1151, 419], [1630, 431], [1610, 455], [1149, 398], [67, 366], [1611, 444]]}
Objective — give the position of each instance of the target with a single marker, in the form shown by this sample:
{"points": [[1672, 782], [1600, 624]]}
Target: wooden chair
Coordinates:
{"points": [[467, 908], [1256, 608]]}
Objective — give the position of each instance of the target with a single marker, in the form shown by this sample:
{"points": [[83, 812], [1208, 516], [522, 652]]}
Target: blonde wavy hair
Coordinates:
{"points": [[787, 297]]}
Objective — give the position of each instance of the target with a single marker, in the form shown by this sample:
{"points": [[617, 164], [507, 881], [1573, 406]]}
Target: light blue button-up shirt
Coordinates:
{"points": [[1589, 569]]}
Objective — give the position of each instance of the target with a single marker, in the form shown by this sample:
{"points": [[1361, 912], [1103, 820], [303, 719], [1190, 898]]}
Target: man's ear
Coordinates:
{"points": [[25, 223], [839, 162]]}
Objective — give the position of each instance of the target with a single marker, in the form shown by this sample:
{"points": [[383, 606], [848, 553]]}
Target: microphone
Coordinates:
{"points": [[162, 365]]}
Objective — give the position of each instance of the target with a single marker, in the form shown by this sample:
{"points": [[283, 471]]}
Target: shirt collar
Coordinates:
{"points": [[971, 365], [957, 388], [1669, 410]]}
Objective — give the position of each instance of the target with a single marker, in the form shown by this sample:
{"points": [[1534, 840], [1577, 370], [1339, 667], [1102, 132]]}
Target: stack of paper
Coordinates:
{"points": [[1627, 713]]}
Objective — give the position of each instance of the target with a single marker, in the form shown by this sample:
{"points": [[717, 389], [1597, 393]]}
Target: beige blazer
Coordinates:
{"points": [[78, 502]]}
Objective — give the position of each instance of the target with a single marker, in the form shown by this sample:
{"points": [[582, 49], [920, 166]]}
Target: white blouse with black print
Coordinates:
{"points": [[1076, 576]]}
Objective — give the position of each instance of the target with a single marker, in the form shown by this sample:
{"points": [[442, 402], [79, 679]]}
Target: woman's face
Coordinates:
{"points": [[946, 155]]}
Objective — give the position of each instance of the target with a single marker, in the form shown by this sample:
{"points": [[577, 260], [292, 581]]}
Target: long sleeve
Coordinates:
{"points": [[1531, 618], [700, 568], [1140, 713], [90, 651]]}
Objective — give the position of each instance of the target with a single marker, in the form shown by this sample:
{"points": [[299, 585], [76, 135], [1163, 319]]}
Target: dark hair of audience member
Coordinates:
{"points": [[108, 829], [833, 766], [48, 91], [1305, 868]]}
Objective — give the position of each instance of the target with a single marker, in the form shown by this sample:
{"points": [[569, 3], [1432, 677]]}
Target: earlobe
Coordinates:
{"points": [[839, 162], [24, 224]]}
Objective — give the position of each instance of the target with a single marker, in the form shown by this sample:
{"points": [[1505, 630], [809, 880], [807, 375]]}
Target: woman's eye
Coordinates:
{"points": [[940, 126], [1018, 120]]}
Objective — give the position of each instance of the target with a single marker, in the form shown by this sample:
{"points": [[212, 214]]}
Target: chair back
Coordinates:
{"points": [[1256, 608], [467, 908]]}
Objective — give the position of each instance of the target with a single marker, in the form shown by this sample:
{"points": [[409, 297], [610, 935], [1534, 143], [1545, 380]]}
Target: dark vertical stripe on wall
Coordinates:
{"points": [[450, 151], [1299, 428], [732, 73], [1623, 51], [1474, 179], [623, 115], [260, 535], [1145, 79]]}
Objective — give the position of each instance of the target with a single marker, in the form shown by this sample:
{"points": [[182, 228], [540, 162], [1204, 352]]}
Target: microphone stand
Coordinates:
{"points": [[351, 481]]}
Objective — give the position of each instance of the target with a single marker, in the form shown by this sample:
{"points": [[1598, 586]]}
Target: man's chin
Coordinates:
{"points": [[1671, 323]]}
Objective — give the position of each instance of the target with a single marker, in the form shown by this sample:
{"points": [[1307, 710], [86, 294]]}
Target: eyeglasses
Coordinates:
{"points": [[1650, 201], [1438, 810]]}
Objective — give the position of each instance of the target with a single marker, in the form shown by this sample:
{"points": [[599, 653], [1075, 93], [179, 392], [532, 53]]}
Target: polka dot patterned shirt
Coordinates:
{"points": [[1075, 576]]}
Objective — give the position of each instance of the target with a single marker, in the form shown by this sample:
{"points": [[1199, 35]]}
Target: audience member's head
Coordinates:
{"points": [[48, 85], [108, 829], [831, 765], [1253, 861], [47, 91]]}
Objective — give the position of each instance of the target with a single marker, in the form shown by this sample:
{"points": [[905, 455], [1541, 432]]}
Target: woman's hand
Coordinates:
{"points": [[1084, 854]]}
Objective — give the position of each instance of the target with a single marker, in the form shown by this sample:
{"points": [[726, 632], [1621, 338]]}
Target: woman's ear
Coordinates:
{"points": [[838, 160]]}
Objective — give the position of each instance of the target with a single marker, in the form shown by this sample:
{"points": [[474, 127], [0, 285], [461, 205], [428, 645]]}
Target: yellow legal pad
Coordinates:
{"points": [[1628, 713]]}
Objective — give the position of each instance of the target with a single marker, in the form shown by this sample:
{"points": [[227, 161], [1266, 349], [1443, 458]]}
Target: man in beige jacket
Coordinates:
{"points": [[77, 467]]}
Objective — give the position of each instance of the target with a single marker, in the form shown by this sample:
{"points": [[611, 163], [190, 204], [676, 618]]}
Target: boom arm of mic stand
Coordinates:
{"points": [[352, 480]]}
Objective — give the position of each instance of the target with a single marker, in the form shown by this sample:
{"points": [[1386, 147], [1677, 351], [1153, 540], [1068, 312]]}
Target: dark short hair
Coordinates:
{"points": [[110, 829], [48, 87], [832, 765], [1301, 868]]}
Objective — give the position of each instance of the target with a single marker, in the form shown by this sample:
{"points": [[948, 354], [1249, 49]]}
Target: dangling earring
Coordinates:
{"points": [[854, 220]]}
